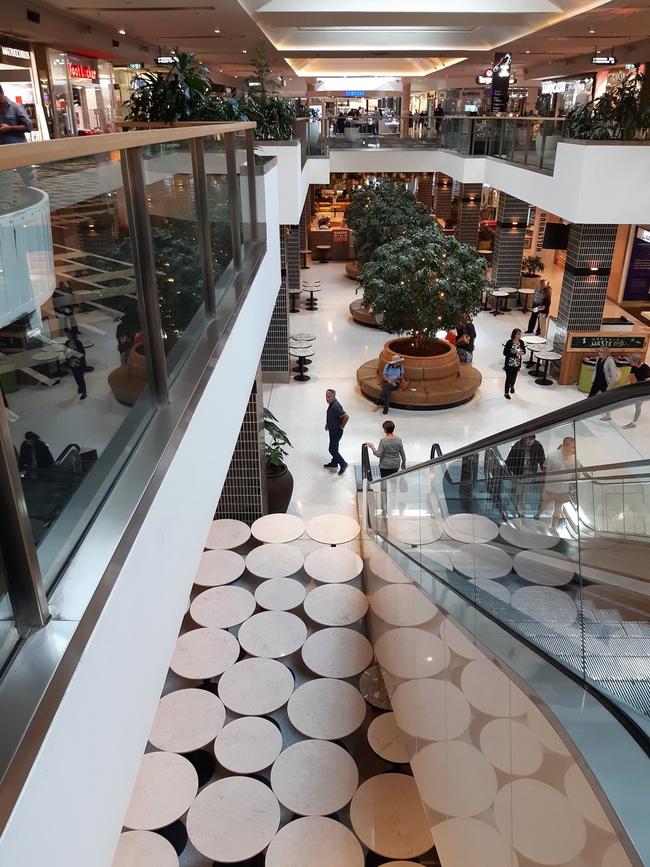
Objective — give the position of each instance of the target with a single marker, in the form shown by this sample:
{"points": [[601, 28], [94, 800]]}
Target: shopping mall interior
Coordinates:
{"points": [[324, 445]]}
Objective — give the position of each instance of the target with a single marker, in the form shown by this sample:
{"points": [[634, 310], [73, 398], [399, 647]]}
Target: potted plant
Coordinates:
{"points": [[279, 480], [532, 268], [621, 113], [485, 238]]}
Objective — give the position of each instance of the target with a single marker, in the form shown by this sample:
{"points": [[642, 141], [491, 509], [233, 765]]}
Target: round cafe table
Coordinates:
{"points": [[547, 356], [510, 290], [500, 300], [531, 341], [527, 294]]}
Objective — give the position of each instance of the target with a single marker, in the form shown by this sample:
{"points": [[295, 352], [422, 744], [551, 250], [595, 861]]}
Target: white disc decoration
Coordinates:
{"points": [[411, 653], [545, 604], [144, 849], [333, 529], [468, 842], [402, 605], [584, 799], [454, 778], [204, 653], [385, 739], [272, 634], [414, 531], [482, 561], [335, 604], [326, 708], [540, 822], [278, 528], [165, 787], [486, 585], [274, 561], [431, 709], [314, 778], [511, 747], [248, 744], [544, 567], [333, 565], [314, 841], [280, 594], [489, 690], [388, 817], [530, 533], [233, 819], [186, 720], [226, 533], [256, 686], [219, 567], [471, 528], [456, 640], [222, 607], [438, 559], [337, 652]]}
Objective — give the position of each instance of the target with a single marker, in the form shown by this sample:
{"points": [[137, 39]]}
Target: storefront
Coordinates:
{"points": [[78, 93], [19, 83], [558, 96]]}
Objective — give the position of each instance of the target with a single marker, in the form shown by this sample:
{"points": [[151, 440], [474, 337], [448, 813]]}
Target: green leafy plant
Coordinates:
{"points": [[422, 282], [621, 113], [381, 214], [486, 233], [274, 450], [532, 266], [262, 71], [274, 115]]}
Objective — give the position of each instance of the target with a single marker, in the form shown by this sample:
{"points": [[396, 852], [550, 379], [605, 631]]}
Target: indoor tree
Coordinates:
{"points": [[621, 113], [381, 214], [422, 282]]}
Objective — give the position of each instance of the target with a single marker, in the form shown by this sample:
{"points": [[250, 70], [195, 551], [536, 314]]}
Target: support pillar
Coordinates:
{"points": [[512, 215], [404, 112], [442, 196], [275, 354], [586, 274], [469, 213], [244, 495], [425, 190]]}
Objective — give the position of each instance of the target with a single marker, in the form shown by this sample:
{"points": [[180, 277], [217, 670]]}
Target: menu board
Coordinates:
{"points": [[603, 341], [340, 236]]}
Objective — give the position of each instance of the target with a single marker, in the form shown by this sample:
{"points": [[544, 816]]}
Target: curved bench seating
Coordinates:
{"points": [[361, 314], [353, 270], [434, 381]]}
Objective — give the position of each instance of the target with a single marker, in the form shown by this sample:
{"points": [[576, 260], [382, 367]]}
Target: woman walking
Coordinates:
{"points": [[465, 340], [513, 352], [390, 451], [540, 308]]}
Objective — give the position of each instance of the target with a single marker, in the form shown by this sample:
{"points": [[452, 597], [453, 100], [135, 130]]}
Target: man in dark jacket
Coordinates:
{"points": [[525, 463]]}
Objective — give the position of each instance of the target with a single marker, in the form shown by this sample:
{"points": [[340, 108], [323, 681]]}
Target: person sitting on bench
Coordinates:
{"points": [[392, 378]]}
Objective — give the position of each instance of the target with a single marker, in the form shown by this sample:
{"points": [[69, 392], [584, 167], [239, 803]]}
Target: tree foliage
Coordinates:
{"points": [[424, 281], [620, 113], [381, 214]]}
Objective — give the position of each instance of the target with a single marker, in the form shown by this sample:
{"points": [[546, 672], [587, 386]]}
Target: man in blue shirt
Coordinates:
{"points": [[392, 378], [335, 422], [14, 122]]}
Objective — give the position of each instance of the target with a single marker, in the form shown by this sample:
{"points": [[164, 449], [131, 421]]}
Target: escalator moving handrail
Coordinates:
{"points": [[592, 406]]}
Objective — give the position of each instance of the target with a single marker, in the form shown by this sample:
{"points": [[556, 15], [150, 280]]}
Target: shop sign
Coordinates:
{"points": [[136, 65], [600, 341], [637, 283], [340, 236], [487, 78], [17, 53], [603, 60], [81, 70], [165, 60], [501, 80], [356, 93], [553, 87]]}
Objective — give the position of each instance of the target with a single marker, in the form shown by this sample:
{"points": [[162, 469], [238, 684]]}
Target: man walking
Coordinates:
{"points": [[14, 121], [335, 422]]}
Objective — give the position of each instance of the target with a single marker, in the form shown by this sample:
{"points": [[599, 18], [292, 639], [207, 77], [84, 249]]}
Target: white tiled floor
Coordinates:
{"points": [[341, 346]]}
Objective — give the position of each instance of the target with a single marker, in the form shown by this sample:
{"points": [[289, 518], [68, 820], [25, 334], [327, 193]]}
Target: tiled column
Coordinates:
{"points": [[442, 196], [586, 275], [305, 221], [508, 251], [425, 190], [469, 213], [244, 491], [275, 354]]}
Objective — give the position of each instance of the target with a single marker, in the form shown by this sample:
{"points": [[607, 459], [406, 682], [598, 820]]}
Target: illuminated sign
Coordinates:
{"points": [[643, 235], [81, 70], [487, 77], [136, 65], [15, 52], [165, 60], [356, 93], [553, 86], [602, 60]]}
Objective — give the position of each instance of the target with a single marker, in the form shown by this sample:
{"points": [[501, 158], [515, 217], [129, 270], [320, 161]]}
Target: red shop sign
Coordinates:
{"points": [[78, 70]]}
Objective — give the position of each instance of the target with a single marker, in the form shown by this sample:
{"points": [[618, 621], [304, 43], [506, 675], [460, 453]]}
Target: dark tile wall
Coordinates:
{"points": [[275, 354], [583, 296], [244, 494], [469, 213], [305, 221], [509, 240], [425, 190], [442, 196]]}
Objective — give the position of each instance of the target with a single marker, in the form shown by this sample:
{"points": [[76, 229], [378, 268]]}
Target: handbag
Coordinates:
{"points": [[463, 340]]}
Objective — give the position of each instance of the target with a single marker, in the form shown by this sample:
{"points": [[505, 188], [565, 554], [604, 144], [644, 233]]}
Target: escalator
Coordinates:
{"points": [[534, 546]]}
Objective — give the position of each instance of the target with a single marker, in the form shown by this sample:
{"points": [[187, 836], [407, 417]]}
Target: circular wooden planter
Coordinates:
{"points": [[435, 381], [363, 315], [353, 270], [129, 380]]}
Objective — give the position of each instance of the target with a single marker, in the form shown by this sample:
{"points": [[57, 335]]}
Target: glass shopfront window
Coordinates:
{"points": [[81, 94], [18, 82]]}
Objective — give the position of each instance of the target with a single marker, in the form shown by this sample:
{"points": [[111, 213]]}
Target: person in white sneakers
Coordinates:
{"points": [[640, 372]]}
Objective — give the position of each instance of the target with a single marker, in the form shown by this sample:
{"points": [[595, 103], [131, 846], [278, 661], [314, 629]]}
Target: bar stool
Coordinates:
{"points": [[547, 356], [536, 371], [303, 338], [324, 252], [302, 355], [498, 295], [294, 300], [311, 286], [303, 259], [533, 342]]}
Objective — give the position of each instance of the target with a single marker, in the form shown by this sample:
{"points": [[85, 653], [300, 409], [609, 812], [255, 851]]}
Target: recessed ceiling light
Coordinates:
{"points": [[217, 31], [221, 70], [236, 76], [527, 51], [243, 51], [591, 31], [122, 32]]}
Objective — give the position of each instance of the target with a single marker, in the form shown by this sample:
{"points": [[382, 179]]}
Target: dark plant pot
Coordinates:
{"points": [[279, 489]]}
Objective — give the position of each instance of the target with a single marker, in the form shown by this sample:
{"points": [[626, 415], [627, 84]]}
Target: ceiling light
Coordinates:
{"points": [[122, 32], [217, 31], [527, 51], [591, 31], [221, 70], [243, 51]]}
